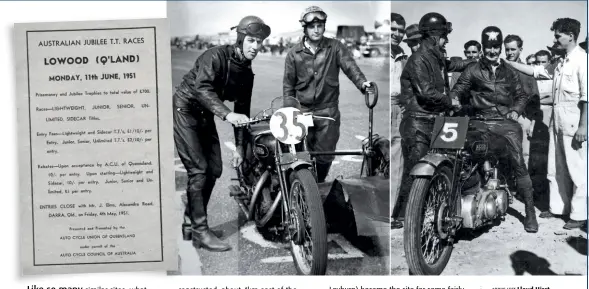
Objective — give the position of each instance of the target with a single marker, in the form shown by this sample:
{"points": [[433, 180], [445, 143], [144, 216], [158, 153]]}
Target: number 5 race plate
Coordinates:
{"points": [[449, 132], [289, 125]]}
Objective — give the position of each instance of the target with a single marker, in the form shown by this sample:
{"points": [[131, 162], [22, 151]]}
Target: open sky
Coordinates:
{"points": [[206, 18], [530, 20]]}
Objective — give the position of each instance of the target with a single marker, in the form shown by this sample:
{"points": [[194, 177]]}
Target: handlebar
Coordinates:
{"points": [[488, 118], [372, 104], [253, 121]]}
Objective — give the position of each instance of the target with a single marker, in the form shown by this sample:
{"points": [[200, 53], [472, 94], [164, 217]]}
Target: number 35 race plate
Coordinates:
{"points": [[289, 125], [449, 132]]}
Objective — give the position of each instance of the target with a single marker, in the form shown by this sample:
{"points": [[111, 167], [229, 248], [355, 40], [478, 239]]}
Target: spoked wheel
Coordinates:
{"points": [[427, 248], [307, 229]]}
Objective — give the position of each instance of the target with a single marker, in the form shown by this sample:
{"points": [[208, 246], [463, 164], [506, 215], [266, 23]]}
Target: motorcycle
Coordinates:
{"points": [[457, 185], [277, 186]]}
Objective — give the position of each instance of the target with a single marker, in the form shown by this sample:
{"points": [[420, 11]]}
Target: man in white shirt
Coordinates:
{"points": [[567, 154], [398, 60]]}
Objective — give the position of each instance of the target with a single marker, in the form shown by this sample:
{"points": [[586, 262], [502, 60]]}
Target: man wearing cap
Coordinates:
{"points": [[413, 37], [490, 88], [424, 95], [311, 75], [398, 61], [222, 73], [567, 153]]}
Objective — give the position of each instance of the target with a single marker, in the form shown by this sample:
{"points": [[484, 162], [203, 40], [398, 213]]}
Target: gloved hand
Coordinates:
{"points": [[513, 115], [366, 86], [237, 119]]}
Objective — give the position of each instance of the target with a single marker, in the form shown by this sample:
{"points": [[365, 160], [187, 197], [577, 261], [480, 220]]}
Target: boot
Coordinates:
{"points": [[207, 192], [525, 187], [202, 237], [322, 171]]}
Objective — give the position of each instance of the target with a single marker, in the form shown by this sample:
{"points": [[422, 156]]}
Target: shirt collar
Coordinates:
{"points": [[573, 53], [302, 44], [485, 62]]}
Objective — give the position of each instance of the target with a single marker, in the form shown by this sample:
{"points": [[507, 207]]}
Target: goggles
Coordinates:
{"points": [[254, 29], [447, 29], [317, 16]]}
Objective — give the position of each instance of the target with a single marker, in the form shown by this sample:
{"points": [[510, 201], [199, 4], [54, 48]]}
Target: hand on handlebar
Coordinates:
{"points": [[367, 86], [237, 119], [513, 115], [456, 106]]}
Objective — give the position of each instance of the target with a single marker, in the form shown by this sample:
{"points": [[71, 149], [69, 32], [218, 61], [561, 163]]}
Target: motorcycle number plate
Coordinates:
{"points": [[449, 132], [288, 125]]}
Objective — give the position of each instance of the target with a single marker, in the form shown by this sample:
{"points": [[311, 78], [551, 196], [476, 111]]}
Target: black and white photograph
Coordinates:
{"points": [[282, 139], [489, 138]]}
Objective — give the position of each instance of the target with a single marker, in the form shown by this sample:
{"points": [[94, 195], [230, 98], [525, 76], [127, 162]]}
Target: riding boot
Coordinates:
{"points": [[322, 171], [207, 192], [525, 188], [202, 237], [398, 215]]}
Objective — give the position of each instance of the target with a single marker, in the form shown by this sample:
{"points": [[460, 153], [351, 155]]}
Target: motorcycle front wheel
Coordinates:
{"points": [[308, 228], [427, 249]]}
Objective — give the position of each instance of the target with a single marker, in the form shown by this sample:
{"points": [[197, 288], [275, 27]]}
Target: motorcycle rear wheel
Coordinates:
{"points": [[434, 191], [306, 209]]}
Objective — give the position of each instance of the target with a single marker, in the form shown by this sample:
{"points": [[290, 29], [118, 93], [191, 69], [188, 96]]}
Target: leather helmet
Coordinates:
{"points": [[253, 26], [312, 14], [491, 36], [434, 24]]}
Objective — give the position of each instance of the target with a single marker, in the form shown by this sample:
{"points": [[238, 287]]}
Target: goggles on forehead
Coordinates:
{"points": [[449, 27], [254, 29], [317, 16]]}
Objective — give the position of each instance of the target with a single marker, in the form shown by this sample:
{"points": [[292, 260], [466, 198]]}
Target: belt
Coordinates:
{"points": [[567, 104]]}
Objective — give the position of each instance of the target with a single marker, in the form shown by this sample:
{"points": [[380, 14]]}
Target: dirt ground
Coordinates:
{"points": [[507, 249]]}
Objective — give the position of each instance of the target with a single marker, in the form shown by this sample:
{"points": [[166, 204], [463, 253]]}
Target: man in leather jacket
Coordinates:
{"points": [[492, 88], [424, 95], [222, 73], [311, 75]]}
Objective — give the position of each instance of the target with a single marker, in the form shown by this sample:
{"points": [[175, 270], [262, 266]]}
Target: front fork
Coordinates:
{"points": [[286, 165], [453, 222]]}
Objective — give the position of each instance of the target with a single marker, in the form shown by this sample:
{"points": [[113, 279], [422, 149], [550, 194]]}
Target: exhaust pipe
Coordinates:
{"points": [[257, 191], [270, 212], [248, 211]]}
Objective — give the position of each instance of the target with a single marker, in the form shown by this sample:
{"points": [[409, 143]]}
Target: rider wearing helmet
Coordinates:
{"points": [[311, 75], [424, 95], [491, 88], [222, 73]]}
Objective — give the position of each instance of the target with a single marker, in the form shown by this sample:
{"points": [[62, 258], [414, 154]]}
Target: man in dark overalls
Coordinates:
{"points": [[311, 75], [222, 73]]}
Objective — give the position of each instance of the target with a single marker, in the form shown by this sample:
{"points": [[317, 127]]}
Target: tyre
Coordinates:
{"points": [[308, 234], [427, 248]]}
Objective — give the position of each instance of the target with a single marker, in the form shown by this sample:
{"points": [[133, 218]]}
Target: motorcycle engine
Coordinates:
{"points": [[488, 203], [264, 143]]}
